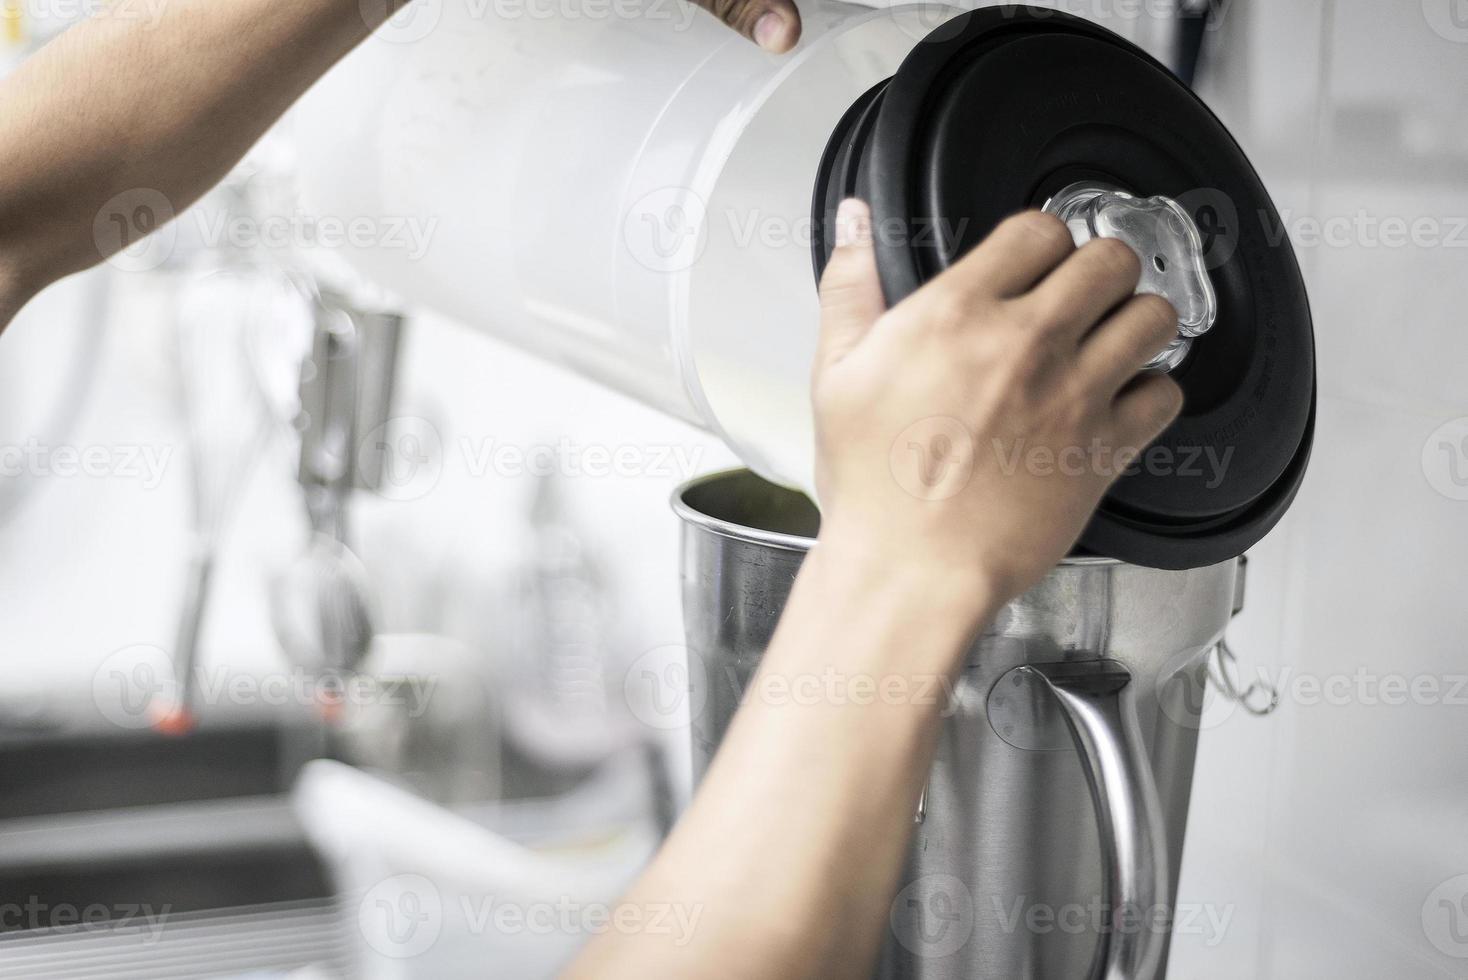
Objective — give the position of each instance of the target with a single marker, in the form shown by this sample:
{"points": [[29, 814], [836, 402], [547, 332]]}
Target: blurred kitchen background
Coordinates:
{"points": [[487, 539]]}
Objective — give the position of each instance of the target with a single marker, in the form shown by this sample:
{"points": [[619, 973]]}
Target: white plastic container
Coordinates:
{"points": [[503, 890], [621, 187]]}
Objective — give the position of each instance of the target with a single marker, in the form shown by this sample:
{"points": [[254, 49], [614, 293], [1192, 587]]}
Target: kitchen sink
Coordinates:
{"points": [[131, 853], [80, 769]]}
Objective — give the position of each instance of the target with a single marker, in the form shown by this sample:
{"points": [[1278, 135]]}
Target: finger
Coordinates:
{"points": [[1113, 353], [851, 294], [772, 24], [1015, 256], [1145, 409], [1086, 286]]}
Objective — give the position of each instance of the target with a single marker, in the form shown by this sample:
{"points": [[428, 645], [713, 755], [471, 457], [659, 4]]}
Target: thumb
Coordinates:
{"points": [[851, 294], [772, 24]]}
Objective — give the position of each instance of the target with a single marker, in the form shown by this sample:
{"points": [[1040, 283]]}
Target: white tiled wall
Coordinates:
{"points": [[1336, 829]]}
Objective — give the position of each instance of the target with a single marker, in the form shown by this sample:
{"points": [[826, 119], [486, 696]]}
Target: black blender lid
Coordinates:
{"points": [[1002, 108]]}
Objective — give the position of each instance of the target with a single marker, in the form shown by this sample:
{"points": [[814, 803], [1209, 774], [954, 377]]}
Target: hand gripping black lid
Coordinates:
{"points": [[1001, 108]]}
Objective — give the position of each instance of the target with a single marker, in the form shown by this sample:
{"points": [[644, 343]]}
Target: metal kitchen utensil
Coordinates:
{"points": [[1063, 769], [321, 605]]}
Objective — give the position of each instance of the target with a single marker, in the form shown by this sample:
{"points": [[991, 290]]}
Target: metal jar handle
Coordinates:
{"points": [[1098, 702]]}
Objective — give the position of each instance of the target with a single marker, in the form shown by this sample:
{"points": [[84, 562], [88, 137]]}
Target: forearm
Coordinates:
{"points": [[789, 855], [120, 103]]}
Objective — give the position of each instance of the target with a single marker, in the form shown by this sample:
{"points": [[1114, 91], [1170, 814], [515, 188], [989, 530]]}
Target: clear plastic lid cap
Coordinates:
{"points": [[1166, 240]]}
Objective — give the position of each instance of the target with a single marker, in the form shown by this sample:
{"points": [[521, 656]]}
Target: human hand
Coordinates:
{"points": [[972, 429], [772, 24]]}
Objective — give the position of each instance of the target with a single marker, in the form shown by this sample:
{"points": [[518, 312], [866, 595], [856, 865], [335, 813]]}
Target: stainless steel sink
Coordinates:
{"points": [[137, 854], [75, 768]]}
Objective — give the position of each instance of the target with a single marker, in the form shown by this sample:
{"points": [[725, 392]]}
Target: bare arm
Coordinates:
{"points": [[157, 110], [787, 860], [120, 103], [785, 864]]}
